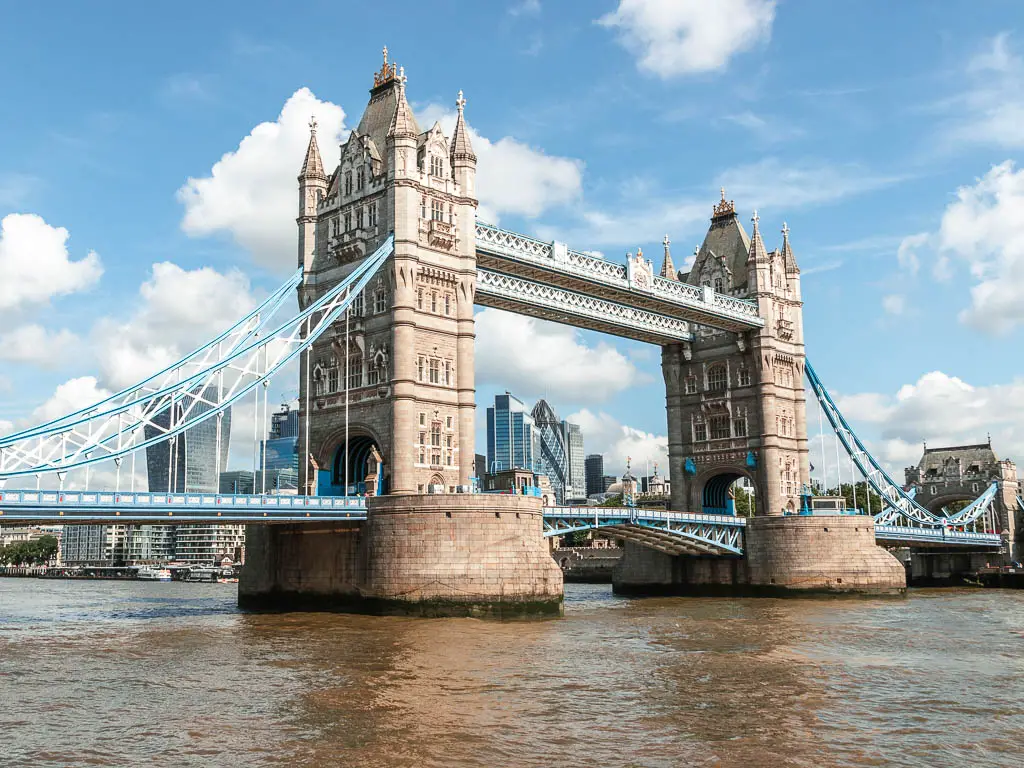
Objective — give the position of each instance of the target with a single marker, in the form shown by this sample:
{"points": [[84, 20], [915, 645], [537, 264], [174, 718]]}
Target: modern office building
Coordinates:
{"points": [[279, 454], [561, 453], [237, 481], [594, 472], [511, 435], [192, 462]]}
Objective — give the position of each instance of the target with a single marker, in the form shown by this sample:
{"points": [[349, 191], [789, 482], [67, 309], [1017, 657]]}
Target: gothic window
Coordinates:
{"points": [[436, 166], [348, 221], [448, 458], [423, 438], [334, 227], [435, 458], [423, 460], [690, 385], [719, 427], [448, 422], [358, 305], [433, 301], [419, 298], [447, 374], [359, 179], [359, 217], [332, 379], [348, 182], [423, 416], [435, 434], [437, 210], [380, 300], [373, 215], [739, 427], [419, 376], [718, 285], [355, 371], [435, 371], [448, 440], [373, 376], [451, 214], [700, 432], [744, 377], [718, 378], [447, 304], [423, 207]]}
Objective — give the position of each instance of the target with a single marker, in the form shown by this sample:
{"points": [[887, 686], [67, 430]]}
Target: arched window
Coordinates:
{"points": [[436, 166], [718, 285], [718, 378]]}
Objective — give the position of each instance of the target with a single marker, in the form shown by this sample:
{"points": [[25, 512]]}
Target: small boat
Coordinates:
{"points": [[153, 574]]}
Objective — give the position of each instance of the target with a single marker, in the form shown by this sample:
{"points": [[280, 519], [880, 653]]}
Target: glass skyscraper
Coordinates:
{"points": [[511, 435], [595, 473], [560, 456]]}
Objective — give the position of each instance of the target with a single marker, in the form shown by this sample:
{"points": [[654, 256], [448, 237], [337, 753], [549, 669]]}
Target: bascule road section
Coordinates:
{"points": [[391, 263]]}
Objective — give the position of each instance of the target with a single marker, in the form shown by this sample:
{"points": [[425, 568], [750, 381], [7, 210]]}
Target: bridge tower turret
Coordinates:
{"points": [[312, 188]]}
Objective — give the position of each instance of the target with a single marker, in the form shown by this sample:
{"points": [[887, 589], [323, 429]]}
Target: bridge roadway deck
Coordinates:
{"points": [[673, 532]]}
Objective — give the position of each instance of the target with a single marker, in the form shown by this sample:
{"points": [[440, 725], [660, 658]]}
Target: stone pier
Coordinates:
{"points": [[426, 555], [784, 555]]}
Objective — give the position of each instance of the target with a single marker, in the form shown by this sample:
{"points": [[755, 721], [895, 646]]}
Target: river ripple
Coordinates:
{"points": [[129, 673]]}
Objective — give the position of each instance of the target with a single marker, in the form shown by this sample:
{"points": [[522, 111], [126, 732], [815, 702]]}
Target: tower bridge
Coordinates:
{"points": [[391, 262]]}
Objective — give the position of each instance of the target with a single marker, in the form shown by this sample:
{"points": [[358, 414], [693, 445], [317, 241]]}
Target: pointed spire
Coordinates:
{"points": [[312, 166], [724, 208], [462, 149], [788, 259], [668, 269], [757, 251], [403, 125]]}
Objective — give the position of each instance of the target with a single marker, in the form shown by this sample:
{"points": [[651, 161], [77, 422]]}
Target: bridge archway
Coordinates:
{"points": [[715, 491], [360, 446]]}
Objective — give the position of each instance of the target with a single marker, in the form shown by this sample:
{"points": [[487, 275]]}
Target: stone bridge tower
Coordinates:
{"points": [[962, 473], [407, 364], [735, 402]]}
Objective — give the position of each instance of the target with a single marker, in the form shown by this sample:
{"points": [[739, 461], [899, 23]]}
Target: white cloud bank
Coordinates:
{"points": [[535, 358], [36, 345], [251, 193], [604, 434], [682, 37], [35, 264]]}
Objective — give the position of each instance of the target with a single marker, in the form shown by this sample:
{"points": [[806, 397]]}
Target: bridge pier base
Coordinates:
{"points": [[784, 555], [943, 569], [432, 555]]}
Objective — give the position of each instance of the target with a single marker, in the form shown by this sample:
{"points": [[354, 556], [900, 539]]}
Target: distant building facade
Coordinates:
{"points": [[511, 435], [594, 471], [561, 455]]}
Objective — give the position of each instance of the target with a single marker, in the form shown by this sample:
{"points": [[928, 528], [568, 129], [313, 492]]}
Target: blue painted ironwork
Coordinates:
{"points": [[104, 435], [677, 532], [946, 537], [901, 507]]}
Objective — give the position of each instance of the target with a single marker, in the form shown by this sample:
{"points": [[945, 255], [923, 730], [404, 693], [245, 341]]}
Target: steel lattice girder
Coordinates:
{"points": [[105, 437], [550, 302], [689, 533], [554, 264], [936, 536], [901, 504]]}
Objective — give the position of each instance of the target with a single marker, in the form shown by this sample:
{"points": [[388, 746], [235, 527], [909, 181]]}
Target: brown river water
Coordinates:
{"points": [[136, 673]]}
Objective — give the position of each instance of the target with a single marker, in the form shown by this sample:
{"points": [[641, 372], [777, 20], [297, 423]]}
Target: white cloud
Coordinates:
{"points": [[679, 37], [535, 358], [35, 263], [771, 183], [525, 8], [5, 427], [942, 409], [179, 310], [251, 193], [894, 304], [991, 108], [68, 398], [985, 228], [604, 434], [513, 177], [906, 254], [34, 344]]}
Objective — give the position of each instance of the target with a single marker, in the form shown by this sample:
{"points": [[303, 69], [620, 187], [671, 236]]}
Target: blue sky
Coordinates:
{"points": [[883, 133]]}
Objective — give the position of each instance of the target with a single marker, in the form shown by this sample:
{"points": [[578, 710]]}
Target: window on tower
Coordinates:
{"points": [[744, 377], [348, 221], [359, 178], [437, 210], [700, 432], [690, 385], [719, 427], [373, 215], [348, 182], [718, 378], [436, 166], [435, 371], [355, 371]]}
